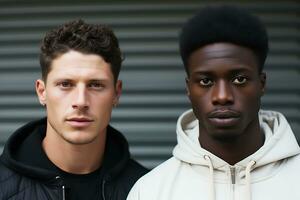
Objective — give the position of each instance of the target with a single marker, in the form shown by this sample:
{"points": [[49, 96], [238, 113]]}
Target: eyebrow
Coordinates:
{"points": [[208, 72], [240, 70], [88, 80], [97, 80]]}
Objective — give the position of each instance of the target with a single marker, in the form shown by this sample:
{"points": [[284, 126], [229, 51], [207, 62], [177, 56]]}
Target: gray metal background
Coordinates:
{"points": [[153, 76]]}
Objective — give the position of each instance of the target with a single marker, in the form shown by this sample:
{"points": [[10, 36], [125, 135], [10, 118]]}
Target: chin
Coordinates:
{"points": [[81, 141], [228, 135], [79, 138], [225, 138]]}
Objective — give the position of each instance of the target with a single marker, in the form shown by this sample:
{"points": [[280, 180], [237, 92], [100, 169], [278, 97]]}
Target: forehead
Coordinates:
{"points": [[222, 56], [74, 64]]}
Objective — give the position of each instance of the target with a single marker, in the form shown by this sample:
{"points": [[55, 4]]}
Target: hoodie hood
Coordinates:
{"points": [[25, 145], [280, 142]]}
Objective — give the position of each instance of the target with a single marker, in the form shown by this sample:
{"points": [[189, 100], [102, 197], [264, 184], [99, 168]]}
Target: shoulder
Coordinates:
{"points": [[5, 173], [293, 164], [162, 171], [151, 184], [135, 167], [120, 181], [132, 172], [10, 182], [288, 169], [14, 185], [160, 174]]}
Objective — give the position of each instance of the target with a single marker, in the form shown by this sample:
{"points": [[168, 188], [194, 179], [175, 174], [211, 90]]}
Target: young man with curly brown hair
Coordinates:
{"points": [[73, 153]]}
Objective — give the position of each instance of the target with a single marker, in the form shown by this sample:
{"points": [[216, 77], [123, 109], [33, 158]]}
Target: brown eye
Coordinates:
{"points": [[96, 85], [239, 80], [65, 84], [205, 82]]}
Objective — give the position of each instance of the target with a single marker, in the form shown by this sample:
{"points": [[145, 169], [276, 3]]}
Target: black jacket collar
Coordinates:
{"points": [[23, 152]]}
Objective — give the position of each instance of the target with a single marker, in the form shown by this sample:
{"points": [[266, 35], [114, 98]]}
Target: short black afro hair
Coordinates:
{"points": [[224, 24]]}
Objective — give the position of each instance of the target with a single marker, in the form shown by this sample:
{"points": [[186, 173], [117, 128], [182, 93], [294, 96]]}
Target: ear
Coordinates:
{"points": [[187, 87], [263, 79], [40, 88], [118, 92]]}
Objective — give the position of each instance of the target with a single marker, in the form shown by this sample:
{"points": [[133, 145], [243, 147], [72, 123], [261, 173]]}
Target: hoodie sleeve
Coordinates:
{"points": [[134, 193]]}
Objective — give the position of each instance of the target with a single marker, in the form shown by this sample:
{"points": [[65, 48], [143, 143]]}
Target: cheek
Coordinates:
{"points": [[103, 101], [57, 103], [250, 100], [200, 102], [199, 98], [56, 96]]}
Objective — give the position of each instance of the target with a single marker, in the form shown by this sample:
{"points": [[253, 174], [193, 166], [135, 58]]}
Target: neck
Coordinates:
{"points": [[74, 158], [233, 150]]}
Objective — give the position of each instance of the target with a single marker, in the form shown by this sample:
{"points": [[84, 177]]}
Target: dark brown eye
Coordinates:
{"points": [[239, 80], [205, 82]]}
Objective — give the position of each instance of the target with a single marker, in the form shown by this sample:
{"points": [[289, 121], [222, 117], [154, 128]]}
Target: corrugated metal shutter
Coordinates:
{"points": [[153, 76]]}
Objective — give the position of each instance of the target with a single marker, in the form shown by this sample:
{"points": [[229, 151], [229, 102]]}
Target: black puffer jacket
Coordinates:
{"points": [[22, 179]]}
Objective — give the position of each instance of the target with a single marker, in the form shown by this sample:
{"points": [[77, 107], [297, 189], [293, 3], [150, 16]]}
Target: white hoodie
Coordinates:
{"points": [[271, 173]]}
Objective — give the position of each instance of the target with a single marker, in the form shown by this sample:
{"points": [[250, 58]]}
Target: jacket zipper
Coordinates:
{"points": [[63, 189], [103, 188], [64, 192]]}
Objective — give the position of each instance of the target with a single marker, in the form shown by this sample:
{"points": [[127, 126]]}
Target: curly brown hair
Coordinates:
{"points": [[85, 38]]}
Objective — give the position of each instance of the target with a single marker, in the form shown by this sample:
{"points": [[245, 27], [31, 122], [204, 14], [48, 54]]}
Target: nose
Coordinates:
{"points": [[222, 94], [80, 99]]}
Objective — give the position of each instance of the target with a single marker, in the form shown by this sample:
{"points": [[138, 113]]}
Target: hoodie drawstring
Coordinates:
{"points": [[211, 177], [64, 192], [248, 179]]}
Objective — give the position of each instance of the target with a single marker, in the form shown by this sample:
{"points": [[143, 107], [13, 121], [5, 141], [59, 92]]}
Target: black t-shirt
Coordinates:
{"points": [[82, 187]]}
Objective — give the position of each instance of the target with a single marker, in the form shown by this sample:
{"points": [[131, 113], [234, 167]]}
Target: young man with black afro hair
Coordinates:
{"points": [[227, 147], [72, 153]]}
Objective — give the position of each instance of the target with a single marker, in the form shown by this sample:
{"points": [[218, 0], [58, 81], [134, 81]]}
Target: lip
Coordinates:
{"points": [[79, 122], [224, 118]]}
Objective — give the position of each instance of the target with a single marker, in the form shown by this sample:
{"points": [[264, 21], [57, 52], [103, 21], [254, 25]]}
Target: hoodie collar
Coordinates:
{"points": [[280, 142], [24, 154]]}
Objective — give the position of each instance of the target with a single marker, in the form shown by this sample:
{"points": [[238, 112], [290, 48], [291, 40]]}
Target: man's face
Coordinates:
{"points": [[79, 95], [225, 87]]}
